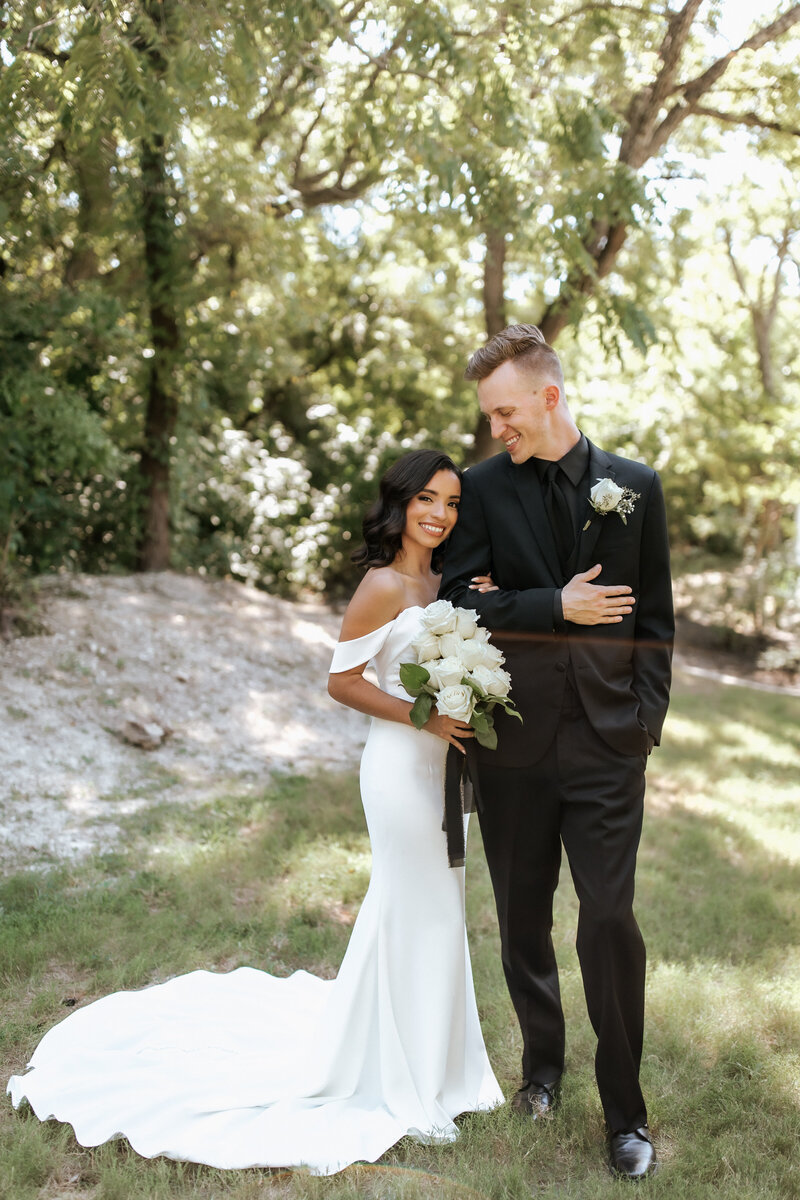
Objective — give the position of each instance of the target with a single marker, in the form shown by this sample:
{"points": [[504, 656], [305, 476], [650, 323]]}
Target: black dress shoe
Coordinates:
{"points": [[632, 1155], [536, 1100]]}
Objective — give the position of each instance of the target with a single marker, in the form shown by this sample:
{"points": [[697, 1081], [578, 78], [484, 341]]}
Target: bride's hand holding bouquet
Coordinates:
{"points": [[458, 671]]}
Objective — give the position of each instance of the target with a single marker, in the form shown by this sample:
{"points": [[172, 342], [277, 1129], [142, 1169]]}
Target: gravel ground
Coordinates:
{"points": [[236, 676]]}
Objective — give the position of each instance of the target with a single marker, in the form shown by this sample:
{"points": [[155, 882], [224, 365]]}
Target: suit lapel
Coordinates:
{"points": [[600, 467], [529, 490]]}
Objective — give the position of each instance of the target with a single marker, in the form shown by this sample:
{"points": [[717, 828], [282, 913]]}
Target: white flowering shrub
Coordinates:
{"points": [[244, 508]]}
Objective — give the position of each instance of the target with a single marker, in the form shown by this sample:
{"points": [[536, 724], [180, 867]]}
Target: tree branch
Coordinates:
{"points": [[692, 91], [347, 17], [701, 83], [737, 272], [277, 105], [783, 253], [584, 8], [51, 55], [750, 119], [644, 109], [644, 138]]}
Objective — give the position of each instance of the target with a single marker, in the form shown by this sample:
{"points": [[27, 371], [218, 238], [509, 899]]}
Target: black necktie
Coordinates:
{"points": [[558, 511]]}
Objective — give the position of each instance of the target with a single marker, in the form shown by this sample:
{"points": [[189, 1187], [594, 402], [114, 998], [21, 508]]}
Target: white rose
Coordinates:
{"points": [[494, 682], [439, 617], [491, 656], [426, 646], [450, 671], [466, 622], [471, 653], [456, 702], [606, 495], [450, 645], [432, 667]]}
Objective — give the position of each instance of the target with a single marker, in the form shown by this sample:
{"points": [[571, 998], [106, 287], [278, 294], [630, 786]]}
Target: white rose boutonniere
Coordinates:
{"points": [[608, 497]]}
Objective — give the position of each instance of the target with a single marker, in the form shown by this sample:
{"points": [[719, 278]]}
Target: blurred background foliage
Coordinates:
{"points": [[247, 249]]}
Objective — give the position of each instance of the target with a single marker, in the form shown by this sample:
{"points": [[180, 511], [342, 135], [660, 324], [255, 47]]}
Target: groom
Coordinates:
{"points": [[575, 540]]}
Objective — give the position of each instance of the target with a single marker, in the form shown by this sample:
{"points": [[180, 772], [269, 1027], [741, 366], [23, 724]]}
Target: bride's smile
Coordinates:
{"points": [[433, 512]]}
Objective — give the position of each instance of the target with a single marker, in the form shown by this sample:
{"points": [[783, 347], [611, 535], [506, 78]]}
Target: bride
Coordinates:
{"points": [[245, 1069]]}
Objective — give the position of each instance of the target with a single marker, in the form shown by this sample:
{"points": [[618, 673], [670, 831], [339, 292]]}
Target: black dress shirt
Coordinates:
{"points": [[573, 478], [573, 481]]}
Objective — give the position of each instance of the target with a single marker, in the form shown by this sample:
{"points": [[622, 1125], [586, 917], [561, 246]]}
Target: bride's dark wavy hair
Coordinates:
{"points": [[385, 521]]}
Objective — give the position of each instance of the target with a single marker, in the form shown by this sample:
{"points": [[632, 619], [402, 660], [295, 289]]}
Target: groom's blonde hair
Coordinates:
{"points": [[522, 344]]}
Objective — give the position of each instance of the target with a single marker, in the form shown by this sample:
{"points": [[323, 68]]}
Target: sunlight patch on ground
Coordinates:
{"points": [[685, 731], [707, 1004], [782, 843], [324, 873], [311, 635]]}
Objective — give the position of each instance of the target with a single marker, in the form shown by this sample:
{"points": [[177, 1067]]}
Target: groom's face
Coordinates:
{"points": [[516, 406]]}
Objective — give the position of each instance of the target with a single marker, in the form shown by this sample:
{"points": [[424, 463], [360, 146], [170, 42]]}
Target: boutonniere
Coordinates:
{"points": [[608, 497]]}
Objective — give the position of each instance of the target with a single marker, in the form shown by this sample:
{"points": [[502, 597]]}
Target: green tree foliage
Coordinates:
{"points": [[252, 245], [50, 438]]}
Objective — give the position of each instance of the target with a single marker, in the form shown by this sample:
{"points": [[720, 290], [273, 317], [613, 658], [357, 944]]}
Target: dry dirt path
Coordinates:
{"points": [[236, 675]]}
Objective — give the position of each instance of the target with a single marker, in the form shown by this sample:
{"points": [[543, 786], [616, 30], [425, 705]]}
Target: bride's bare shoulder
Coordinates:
{"points": [[378, 599]]}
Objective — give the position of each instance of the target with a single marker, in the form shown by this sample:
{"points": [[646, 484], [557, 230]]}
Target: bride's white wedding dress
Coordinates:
{"points": [[245, 1069]]}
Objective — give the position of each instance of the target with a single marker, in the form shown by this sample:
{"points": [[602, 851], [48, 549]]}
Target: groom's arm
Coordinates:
{"points": [[655, 622], [541, 610], [470, 553]]}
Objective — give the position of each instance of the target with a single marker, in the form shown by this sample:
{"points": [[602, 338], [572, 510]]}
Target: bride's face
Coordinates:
{"points": [[433, 511]]}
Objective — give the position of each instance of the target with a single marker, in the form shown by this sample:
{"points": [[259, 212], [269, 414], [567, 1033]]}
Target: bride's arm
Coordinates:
{"points": [[377, 601]]}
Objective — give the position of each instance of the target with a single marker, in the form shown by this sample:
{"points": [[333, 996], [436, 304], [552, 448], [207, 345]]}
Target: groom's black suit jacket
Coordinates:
{"points": [[620, 671]]}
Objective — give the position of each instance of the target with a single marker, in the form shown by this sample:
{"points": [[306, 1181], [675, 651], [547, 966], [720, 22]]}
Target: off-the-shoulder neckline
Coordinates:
{"points": [[372, 632]]}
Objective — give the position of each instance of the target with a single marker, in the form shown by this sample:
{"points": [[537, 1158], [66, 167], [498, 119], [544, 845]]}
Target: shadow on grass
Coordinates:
{"points": [[716, 728], [275, 882], [716, 892]]}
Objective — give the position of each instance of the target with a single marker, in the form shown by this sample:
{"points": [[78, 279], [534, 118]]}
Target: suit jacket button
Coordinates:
{"points": [[561, 666]]}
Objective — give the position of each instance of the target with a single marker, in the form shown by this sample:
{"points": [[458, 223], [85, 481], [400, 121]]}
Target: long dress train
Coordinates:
{"points": [[245, 1069]]}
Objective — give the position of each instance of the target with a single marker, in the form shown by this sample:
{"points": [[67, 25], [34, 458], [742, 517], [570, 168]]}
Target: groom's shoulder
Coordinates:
{"points": [[489, 471]]}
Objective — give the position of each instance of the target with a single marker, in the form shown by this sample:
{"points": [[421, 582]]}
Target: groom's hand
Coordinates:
{"points": [[587, 603]]}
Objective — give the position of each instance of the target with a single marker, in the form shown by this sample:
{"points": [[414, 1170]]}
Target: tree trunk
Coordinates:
{"points": [[162, 392], [494, 309]]}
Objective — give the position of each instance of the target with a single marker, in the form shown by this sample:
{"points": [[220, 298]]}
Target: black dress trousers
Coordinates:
{"points": [[590, 798]]}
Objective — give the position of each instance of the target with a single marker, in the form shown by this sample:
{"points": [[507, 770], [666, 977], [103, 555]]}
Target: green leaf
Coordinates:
{"points": [[421, 709], [509, 707], [488, 738], [470, 683], [413, 678], [481, 722]]}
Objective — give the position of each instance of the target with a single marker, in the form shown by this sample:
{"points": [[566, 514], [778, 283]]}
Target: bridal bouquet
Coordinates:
{"points": [[458, 670]]}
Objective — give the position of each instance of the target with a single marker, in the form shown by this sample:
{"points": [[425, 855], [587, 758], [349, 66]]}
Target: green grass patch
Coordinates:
{"points": [[275, 880]]}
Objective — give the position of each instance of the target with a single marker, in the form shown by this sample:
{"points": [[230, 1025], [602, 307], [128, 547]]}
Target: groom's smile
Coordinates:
{"points": [[518, 408]]}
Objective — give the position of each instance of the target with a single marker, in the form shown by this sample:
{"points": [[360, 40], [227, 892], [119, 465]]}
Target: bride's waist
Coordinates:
{"points": [[414, 741]]}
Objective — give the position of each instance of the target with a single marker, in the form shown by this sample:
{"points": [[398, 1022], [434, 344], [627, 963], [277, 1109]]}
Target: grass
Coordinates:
{"points": [[274, 881]]}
